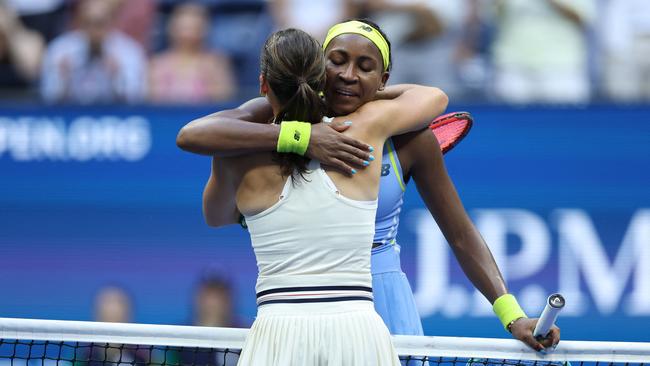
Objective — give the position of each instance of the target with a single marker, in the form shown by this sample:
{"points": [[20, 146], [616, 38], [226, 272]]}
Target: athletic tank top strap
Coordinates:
{"points": [[395, 163], [391, 196]]}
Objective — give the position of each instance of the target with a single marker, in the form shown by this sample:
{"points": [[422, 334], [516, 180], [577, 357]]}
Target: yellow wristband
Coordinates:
{"points": [[508, 310], [294, 137]]}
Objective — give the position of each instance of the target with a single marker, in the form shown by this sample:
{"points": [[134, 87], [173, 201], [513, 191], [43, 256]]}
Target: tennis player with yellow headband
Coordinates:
{"points": [[358, 63], [364, 30]]}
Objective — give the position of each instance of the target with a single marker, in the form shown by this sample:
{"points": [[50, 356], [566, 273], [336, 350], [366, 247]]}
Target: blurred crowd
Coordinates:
{"points": [[206, 51], [211, 306]]}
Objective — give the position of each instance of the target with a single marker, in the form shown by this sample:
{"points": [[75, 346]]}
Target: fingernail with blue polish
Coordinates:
{"points": [[371, 158], [370, 148], [348, 123], [354, 171], [365, 163]]}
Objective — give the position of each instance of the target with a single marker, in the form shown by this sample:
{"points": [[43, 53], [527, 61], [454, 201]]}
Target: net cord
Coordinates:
{"points": [[233, 338]]}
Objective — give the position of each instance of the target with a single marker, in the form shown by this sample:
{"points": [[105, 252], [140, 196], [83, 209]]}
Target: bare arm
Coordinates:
{"points": [[393, 91], [440, 196], [231, 132], [245, 130], [412, 110], [219, 206]]}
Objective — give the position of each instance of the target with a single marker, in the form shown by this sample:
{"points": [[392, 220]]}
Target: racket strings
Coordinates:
{"points": [[451, 133]]}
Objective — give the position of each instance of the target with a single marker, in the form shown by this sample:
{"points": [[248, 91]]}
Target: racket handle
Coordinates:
{"points": [[554, 304]]}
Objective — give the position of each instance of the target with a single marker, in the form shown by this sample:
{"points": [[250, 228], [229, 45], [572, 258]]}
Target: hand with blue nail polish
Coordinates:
{"points": [[335, 150]]}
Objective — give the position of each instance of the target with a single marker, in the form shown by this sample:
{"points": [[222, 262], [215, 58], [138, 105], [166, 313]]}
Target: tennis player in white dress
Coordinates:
{"points": [[312, 228]]}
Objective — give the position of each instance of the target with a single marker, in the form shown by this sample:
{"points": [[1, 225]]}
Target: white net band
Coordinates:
{"points": [[233, 338]]}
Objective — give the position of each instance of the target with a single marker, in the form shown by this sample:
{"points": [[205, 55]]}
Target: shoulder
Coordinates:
{"points": [[415, 147], [255, 110]]}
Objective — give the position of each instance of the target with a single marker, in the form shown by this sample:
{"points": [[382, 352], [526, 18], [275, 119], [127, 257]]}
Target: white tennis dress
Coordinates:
{"points": [[314, 291]]}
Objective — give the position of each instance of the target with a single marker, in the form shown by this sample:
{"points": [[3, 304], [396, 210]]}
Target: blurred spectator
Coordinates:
{"points": [[239, 28], [540, 53], [20, 52], [114, 305], [135, 18], [424, 35], [44, 16], [187, 72], [314, 17], [213, 307], [472, 51], [94, 64], [626, 47]]}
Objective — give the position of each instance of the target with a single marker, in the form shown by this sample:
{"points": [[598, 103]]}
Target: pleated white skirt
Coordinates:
{"points": [[346, 333]]}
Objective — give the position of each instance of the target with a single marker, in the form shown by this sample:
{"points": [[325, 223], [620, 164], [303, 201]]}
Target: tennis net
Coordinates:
{"points": [[31, 342]]}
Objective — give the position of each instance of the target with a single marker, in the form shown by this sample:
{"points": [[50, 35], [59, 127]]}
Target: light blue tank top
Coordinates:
{"points": [[391, 196]]}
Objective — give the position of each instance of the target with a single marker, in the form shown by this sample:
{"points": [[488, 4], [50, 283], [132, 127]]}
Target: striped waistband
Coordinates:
{"points": [[292, 295]]}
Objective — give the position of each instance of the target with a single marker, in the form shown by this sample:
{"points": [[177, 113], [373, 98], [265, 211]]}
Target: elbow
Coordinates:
{"points": [[183, 139], [215, 217], [189, 139], [191, 136], [440, 99], [444, 99], [212, 219], [211, 222], [218, 220], [209, 216]]}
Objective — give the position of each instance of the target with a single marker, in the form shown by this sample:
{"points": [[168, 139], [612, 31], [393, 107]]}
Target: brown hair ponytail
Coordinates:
{"points": [[293, 64]]}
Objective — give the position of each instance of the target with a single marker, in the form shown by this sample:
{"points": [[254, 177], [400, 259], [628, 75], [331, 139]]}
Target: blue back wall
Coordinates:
{"points": [[90, 196]]}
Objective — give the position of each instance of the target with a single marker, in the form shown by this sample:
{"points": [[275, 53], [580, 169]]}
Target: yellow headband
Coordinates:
{"points": [[362, 29]]}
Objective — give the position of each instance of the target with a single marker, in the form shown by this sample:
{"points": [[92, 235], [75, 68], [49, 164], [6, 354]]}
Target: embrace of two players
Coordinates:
{"points": [[354, 72]]}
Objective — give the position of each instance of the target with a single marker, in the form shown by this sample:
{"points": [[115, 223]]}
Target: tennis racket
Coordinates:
{"points": [[451, 128], [554, 304]]}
